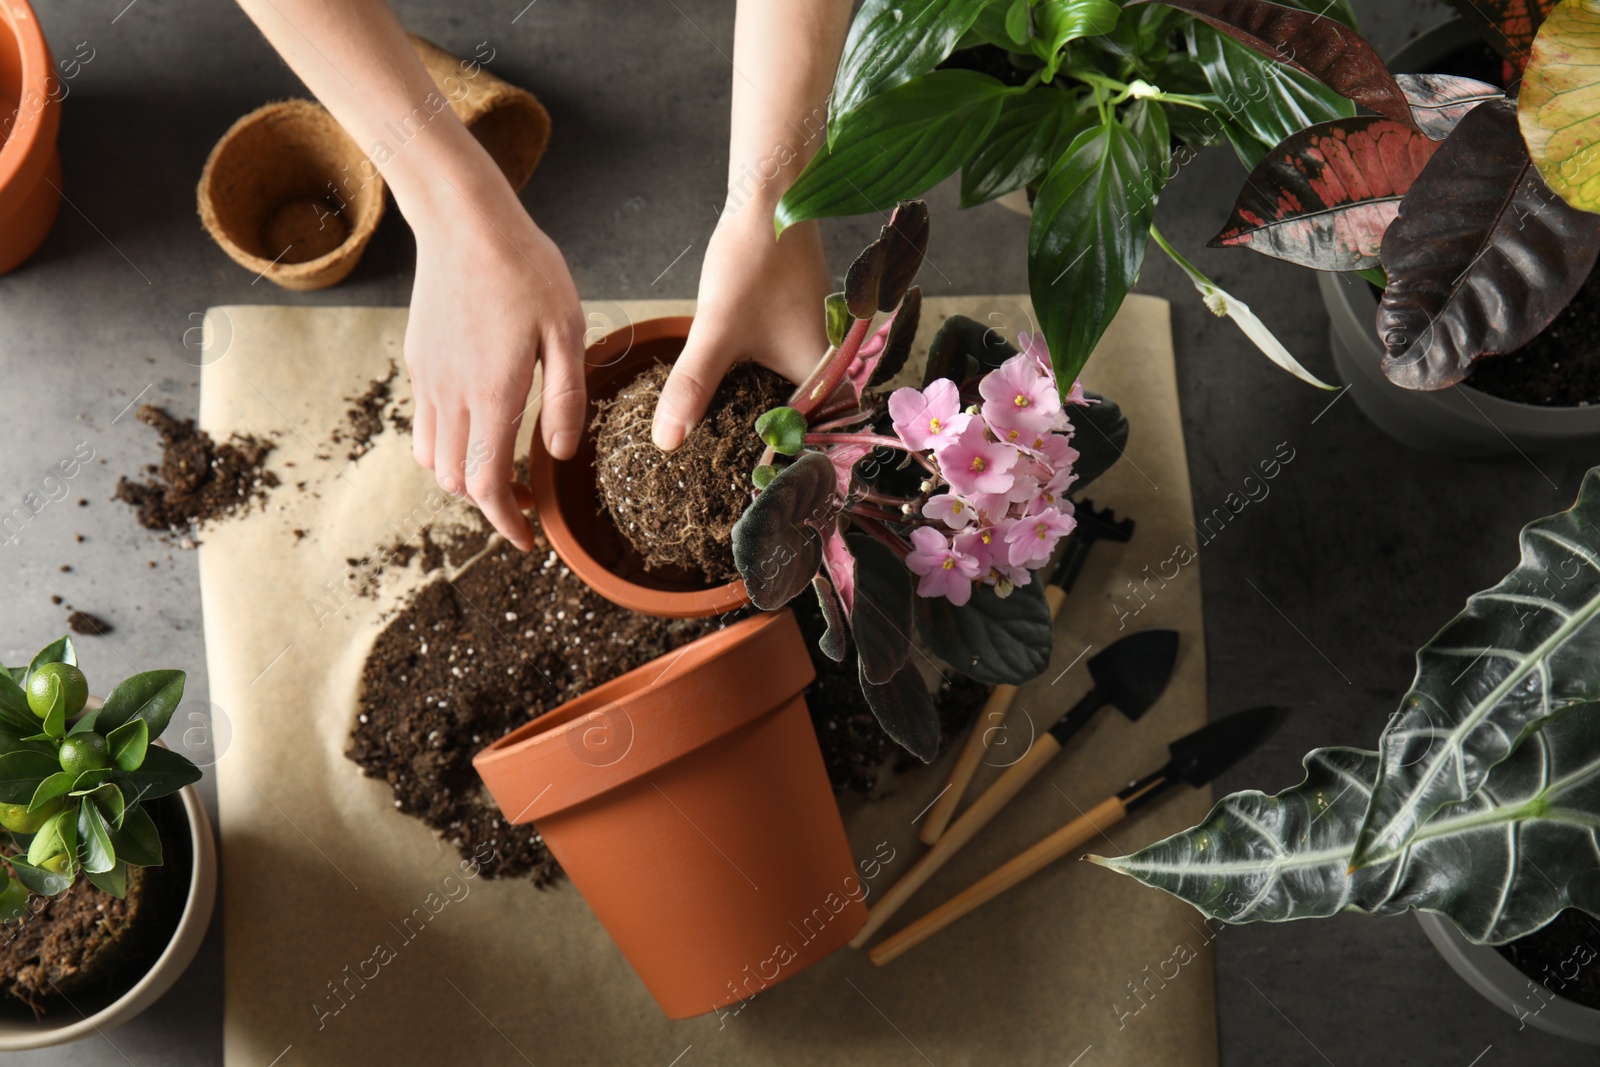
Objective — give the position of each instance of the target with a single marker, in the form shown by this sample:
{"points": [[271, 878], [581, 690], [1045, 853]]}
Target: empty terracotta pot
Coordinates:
{"points": [[688, 802], [290, 197], [30, 115], [509, 122], [568, 501]]}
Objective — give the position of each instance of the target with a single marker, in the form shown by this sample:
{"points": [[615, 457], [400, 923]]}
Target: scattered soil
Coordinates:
{"points": [[467, 662], [198, 480], [439, 547], [81, 622], [1558, 368], [678, 508], [367, 415], [1563, 956], [72, 940]]}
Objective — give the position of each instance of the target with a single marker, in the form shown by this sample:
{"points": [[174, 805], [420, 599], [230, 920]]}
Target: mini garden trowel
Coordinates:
{"points": [[1093, 525], [1196, 759], [1129, 676]]}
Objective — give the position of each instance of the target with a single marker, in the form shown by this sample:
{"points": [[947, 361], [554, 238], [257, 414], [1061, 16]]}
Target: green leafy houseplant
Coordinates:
{"points": [[1080, 100], [1482, 801], [73, 783], [1475, 209]]}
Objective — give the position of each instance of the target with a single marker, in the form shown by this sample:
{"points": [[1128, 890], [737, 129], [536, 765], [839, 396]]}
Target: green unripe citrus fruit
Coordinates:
{"points": [[85, 752], [17, 817], [74, 688]]}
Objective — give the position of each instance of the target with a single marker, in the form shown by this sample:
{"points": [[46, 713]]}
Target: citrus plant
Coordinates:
{"points": [[73, 782]]}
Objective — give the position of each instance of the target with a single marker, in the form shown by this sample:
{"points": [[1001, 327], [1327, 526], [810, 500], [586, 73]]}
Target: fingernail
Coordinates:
{"points": [[668, 434], [564, 444]]}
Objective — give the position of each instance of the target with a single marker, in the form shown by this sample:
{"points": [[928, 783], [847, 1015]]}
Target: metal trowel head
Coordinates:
{"points": [[1133, 673]]}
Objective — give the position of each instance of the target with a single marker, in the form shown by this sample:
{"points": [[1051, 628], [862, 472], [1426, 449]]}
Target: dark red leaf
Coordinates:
{"points": [[1509, 26], [885, 269], [1439, 101], [1322, 47], [1482, 256], [1324, 197], [880, 610]]}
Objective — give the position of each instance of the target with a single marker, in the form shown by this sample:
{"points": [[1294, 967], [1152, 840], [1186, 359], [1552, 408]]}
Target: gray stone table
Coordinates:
{"points": [[1316, 597]]}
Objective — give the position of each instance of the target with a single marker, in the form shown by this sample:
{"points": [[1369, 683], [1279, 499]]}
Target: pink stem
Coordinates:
{"points": [[806, 400], [876, 529], [876, 440], [839, 423]]}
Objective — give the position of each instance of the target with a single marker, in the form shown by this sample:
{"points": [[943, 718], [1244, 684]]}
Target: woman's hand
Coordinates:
{"points": [[492, 298], [760, 299]]}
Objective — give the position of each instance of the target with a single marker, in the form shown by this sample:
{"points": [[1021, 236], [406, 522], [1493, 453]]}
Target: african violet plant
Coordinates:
{"points": [[73, 783], [1078, 101], [1474, 208], [959, 484], [1482, 801]]}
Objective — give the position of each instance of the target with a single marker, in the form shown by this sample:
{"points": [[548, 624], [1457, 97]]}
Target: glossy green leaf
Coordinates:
{"points": [[1033, 129], [109, 800], [138, 841], [1091, 222], [22, 772], [61, 650], [89, 781], [1147, 120], [152, 696], [1261, 102], [128, 743], [38, 880], [55, 719], [59, 834], [894, 41], [99, 855], [114, 881], [1055, 22], [1519, 652], [57, 785], [896, 145], [14, 710], [162, 772], [996, 640], [1019, 21], [990, 27], [1500, 864]]}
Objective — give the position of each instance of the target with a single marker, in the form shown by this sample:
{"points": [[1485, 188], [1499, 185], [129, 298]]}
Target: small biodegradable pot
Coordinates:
{"points": [[290, 197], [30, 116], [688, 802], [509, 122], [192, 852], [1502, 984], [568, 501], [1460, 421]]}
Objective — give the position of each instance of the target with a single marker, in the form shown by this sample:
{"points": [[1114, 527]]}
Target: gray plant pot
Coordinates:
{"points": [[1494, 976], [1459, 421]]}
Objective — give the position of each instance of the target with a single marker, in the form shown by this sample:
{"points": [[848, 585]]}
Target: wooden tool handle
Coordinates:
{"points": [[961, 831], [1107, 813], [990, 719]]}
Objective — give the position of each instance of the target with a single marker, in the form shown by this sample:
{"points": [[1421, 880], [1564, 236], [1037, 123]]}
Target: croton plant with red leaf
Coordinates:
{"points": [[1438, 197], [925, 510]]}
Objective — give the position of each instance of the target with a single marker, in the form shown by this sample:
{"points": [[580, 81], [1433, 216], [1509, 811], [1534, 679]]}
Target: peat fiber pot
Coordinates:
{"points": [[1460, 421], [290, 197], [568, 501], [30, 115], [688, 802], [509, 122], [188, 892]]}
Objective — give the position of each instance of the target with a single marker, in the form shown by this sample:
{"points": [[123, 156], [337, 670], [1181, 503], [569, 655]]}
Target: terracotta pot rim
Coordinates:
{"points": [[353, 244], [543, 469], [655, 714], [25, 155]]}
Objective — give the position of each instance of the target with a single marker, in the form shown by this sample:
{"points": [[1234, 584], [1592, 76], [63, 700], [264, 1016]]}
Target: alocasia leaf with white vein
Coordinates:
{"points": [[1500, 864]]}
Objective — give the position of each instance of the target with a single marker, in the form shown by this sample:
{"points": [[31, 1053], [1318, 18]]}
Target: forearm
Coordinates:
{"points": [[785, 53], [354, 57]]}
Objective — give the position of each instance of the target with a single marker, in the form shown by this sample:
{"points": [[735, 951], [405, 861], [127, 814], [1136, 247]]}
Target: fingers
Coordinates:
{"points": [[422, 424], [562, 404], [489, 476], [450, 450], [695, 376]]}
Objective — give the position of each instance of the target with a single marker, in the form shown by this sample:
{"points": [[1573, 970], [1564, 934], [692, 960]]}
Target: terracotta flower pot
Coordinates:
{"points": [[290, 197], [30, 115], [568, 502], [509, 122], [688, 802]]}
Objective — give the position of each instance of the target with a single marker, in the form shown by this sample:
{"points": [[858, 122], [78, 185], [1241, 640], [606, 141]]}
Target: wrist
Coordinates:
{"points": [[443, 182]]}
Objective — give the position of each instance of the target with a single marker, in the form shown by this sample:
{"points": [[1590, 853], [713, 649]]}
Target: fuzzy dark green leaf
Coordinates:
{"points": [[902, 333], [996, 640], [1101, 438], [783, 429], [879, 277], [1091, 222], [775, 542], [904, 708], [895, 146], [835, 640], [880, 611]]}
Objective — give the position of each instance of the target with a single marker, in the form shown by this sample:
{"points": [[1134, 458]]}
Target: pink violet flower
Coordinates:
{"points": [[973, 464], [950, 510], [1019, 403], [1076, 396], [1033, 345], [928, 418], [1034, 537], [944, 571]]}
